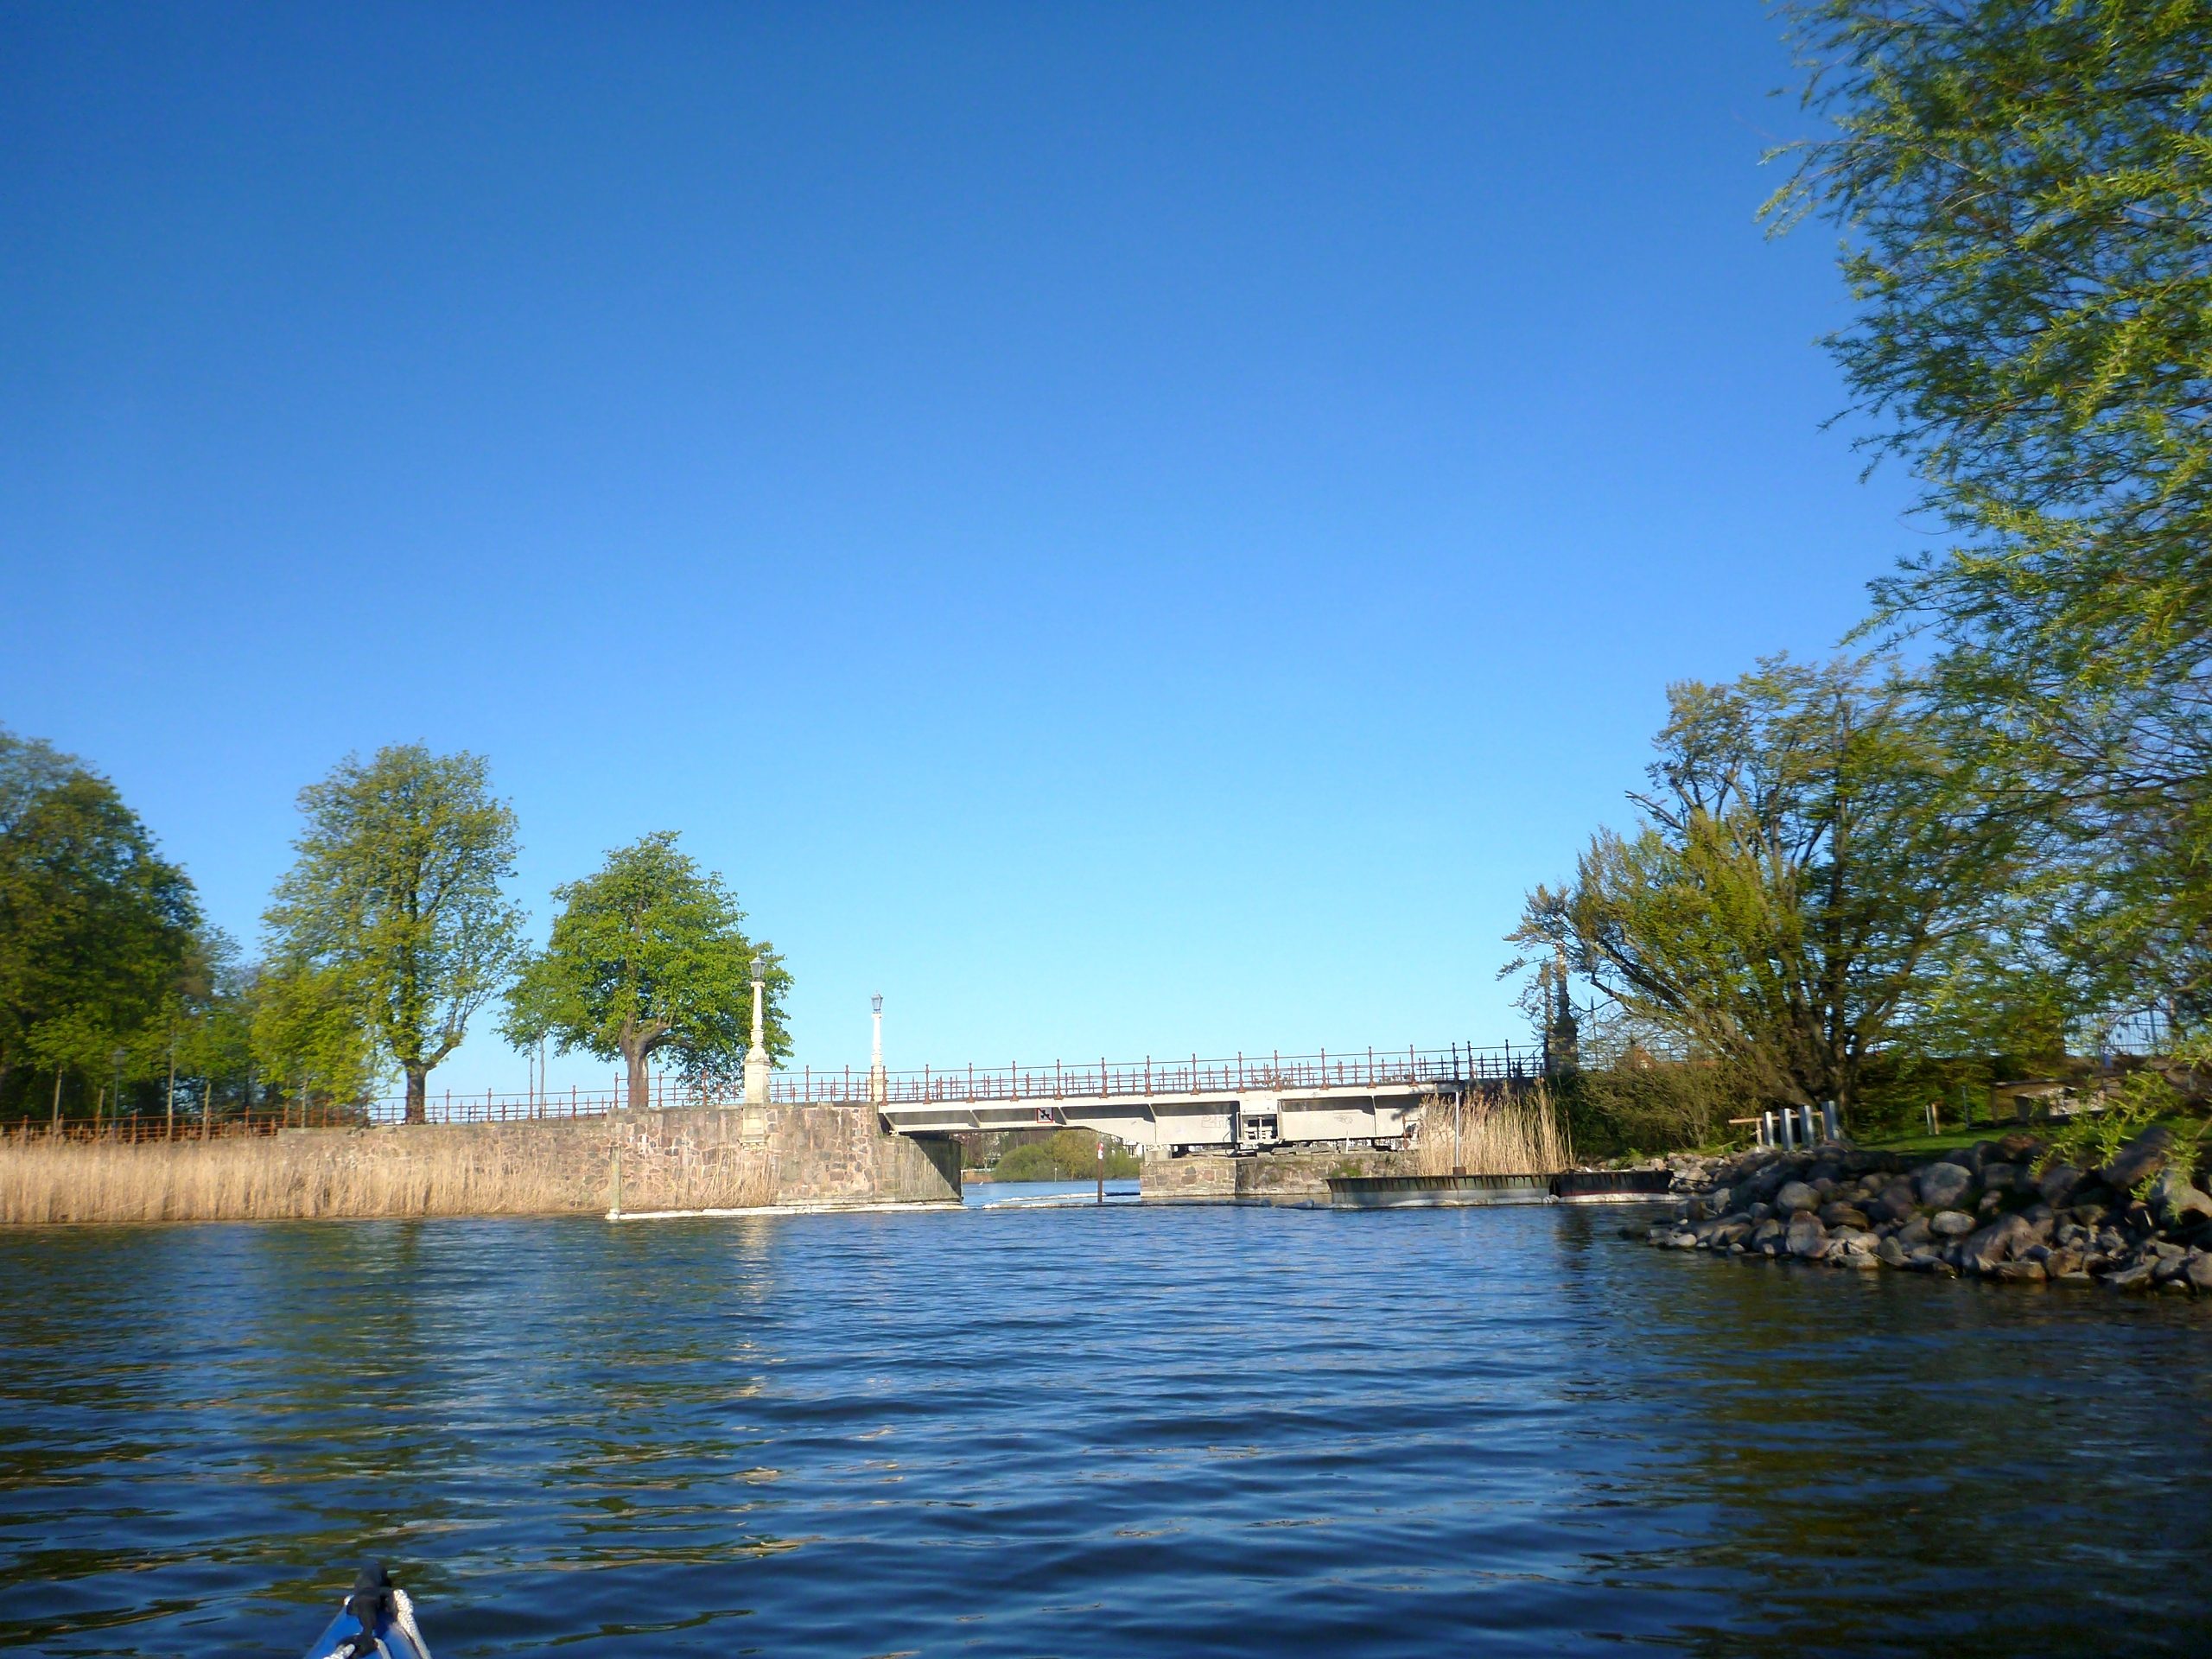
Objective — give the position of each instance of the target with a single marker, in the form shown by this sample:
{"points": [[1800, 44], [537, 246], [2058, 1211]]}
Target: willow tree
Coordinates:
{"points": [[2024, 189], [392, 917], [648, 955], [1816, 866]]}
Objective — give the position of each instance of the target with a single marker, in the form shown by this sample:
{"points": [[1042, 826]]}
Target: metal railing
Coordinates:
{"points": [[1456, 1064]]}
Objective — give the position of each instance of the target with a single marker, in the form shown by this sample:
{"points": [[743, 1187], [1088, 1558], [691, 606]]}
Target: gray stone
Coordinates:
{"points": [[1863, 1260], [2140, 1160], [2022, 1272], [2135, 1278], [1897, 1202], [1998, 1177], [2199, 1270], [1795, 1196], [1890, 1253], [1766, 1231], [2003, 1240], [2058, 1184], [1951, 1224], [1807, 1238], [1915, 1231], [1941, 1186], [2175, 1202], [1684, 1240], [1843, 1215]]}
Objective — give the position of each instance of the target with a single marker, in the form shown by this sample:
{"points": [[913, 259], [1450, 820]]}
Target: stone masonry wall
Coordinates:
{"points": [[1262, 1178]]}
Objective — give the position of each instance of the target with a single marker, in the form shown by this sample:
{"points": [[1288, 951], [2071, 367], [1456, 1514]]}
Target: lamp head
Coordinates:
{"points": [[760, 969], [877, 1000]]}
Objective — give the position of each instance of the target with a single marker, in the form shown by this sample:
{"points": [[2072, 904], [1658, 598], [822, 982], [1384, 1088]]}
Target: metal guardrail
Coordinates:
{"points": [[1458, 1063]]}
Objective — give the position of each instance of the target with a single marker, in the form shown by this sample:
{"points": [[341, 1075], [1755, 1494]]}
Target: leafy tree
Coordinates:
{"points": [[304, 1032], [1065, 1155], [392, 917], [1816, 864], [648, 953], [95, 926], [2025, 188]]}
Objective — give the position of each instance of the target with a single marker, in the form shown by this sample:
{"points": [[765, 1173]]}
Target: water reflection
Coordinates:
{"points": [[1085, 1431]]}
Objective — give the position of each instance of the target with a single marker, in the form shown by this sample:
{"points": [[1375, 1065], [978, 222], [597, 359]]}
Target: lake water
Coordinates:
{"points": [[1083, 1431]]}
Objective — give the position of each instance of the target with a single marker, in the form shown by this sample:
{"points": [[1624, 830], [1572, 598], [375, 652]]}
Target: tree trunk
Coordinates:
{"points": [[634, 1055], [418, 1093]]}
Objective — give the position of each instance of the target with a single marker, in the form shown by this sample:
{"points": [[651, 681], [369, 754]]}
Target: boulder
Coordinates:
{"points": [[2137, 1277], [1997, 1178], [1951, 1224], [1941, 1186], [2058, 1184], [2199, 1270], [1863, 1260], [2175, 1202], [1843, 1215], [1795, 1197], [2023, 1272], [1808, 1239], [1897, 1202], [1890, 1253], [2138, 1161], [1915, 1231], [1766, 1231], [2003, 1240], [2017, 1147]]}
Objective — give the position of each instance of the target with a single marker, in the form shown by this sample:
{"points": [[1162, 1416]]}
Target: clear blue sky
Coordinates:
{"points": [[1128, 528]]}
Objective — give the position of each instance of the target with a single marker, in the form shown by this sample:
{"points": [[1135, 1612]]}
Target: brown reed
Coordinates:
{"points": [[1500, 1133], [552, 1169]]}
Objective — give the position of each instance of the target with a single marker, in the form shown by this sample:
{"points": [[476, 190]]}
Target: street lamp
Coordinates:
{"points": [[121, 1055], [756, 1057]]}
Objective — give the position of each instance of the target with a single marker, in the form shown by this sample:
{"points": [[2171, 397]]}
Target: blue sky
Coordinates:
{"points": [[1128, 528]]}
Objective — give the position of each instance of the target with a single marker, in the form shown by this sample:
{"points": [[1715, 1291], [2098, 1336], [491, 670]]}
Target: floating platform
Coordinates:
{"points": [[1436, 1191]]}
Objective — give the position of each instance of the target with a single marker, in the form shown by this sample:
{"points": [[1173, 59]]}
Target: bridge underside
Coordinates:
{"points": [[1243, 1117]]}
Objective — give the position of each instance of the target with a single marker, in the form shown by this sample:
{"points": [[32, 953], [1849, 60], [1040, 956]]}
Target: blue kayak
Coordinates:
{"points": [[376, 1618]]}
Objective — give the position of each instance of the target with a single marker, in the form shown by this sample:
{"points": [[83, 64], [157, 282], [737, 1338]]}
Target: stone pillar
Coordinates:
{"points": [[879, 1084]]}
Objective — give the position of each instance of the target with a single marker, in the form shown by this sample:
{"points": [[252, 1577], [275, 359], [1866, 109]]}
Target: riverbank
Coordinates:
{"points": [[652, 1160], [2002, 1210]]}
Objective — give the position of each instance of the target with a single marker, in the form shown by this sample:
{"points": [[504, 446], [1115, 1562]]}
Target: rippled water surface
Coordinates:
{"points": [[1083, 1431]]}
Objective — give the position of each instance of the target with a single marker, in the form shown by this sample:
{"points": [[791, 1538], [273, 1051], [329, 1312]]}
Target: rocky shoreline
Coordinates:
{"points": [[2139, 1222]]}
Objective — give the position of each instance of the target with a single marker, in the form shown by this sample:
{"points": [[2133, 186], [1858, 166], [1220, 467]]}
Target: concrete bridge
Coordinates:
{"points": [[1375, 1096]]}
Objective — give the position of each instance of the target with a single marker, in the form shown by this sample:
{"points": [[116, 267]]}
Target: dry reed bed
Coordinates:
{"points": [[1498, 1134], [422, 1171]]}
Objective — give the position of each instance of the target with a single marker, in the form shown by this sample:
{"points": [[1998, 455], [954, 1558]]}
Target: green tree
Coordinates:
{"points": [[1817, 865], [2025, 191], [647, 954], [95, 926], [393, 915], [304, 1032]]}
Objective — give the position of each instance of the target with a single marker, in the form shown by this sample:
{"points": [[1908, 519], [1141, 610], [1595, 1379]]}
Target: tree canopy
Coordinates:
{"points": [[393, 915], [2025, 191], [1815, 863], [648, 954], [95, 928]]}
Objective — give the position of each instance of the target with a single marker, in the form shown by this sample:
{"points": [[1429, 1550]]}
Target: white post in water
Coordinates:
{"points": [[756, 1057], [879, 1086]]}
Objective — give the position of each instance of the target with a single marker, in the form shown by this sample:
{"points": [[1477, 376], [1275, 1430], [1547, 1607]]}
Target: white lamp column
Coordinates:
{"points": [[879, 1087], [756, 1057]]}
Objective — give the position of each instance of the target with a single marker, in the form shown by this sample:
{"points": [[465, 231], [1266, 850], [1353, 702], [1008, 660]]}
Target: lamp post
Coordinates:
{"points": [[120, 1056], [879, 1084], [756, 1057]]}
